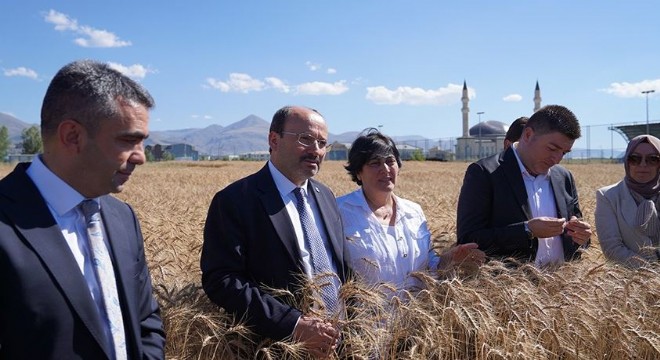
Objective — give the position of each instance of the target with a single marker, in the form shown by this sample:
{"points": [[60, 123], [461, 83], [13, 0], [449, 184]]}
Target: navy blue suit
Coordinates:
{"points": [[493, 206], [46, 310], [250, 243]]}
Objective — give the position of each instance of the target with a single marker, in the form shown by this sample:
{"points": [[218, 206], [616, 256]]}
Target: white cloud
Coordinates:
{"points": [[244, 83], [322, 88], [62, 22], [21, 71], [512, 98], [331, 71], [312, 66], [416, 96], [631, 90], [135, 71], [91, 37], [277, 84], [205, 117], [217, 84], [237, 82]]}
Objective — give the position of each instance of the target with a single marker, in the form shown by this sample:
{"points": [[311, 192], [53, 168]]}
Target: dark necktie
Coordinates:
{"points": [[319, 257], [105, 275]]}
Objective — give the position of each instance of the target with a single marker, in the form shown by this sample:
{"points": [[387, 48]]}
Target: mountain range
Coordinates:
{"points": [[14, 125], [247, 135]]}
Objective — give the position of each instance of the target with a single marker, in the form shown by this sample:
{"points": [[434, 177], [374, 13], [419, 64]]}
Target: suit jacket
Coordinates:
{"points": [[619, 239], [46, 310], [493, 206], [250, 245]]}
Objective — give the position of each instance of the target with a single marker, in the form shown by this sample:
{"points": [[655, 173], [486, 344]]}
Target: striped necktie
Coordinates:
{"points": [[319, 256], [106, 276]]}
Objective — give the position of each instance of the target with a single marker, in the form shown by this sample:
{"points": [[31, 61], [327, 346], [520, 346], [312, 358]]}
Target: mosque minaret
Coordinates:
{"points": [[465, 109], [537, 97], [488, 136]]}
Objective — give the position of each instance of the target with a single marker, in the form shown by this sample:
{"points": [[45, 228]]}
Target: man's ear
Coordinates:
{"points": [[71, 136], [527, 133], [273, 139]]}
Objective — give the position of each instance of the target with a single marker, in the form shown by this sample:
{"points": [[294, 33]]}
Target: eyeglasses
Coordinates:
{"points": [[307, 140], [651, 160]]}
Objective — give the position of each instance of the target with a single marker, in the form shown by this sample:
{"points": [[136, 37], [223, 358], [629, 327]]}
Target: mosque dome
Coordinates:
{"points": [[489, 128]]}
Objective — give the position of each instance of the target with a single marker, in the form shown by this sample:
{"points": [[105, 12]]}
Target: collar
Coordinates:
{"points": [[59, 195], [522, 167], [284, 185]]}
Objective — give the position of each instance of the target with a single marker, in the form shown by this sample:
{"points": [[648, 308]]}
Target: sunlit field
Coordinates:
{"points": [[589, 309]]}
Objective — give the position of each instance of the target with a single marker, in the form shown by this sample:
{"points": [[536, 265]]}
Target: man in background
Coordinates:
{"points": [[520, 203], [74, 283], [515, 131]]}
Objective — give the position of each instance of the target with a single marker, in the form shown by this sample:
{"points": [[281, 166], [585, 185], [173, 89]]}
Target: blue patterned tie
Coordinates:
{"points": [[105, 275], [319, 256]]}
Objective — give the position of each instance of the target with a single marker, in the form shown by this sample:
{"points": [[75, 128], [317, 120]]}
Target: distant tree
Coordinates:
{"points": [[157, 152], [167, 156], [31, 140], [418, 155], [4, 142]]}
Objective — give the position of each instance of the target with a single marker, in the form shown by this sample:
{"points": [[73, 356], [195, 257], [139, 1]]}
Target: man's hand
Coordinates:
{"points": [[318, 336], [579, 230], [545, 227]]}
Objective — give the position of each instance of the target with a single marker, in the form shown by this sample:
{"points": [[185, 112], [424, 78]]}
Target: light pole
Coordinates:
{"points": [[647, 92], [479, 114]]}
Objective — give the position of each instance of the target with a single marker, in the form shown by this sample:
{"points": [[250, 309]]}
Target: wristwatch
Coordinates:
{"points": [[530, 235]]}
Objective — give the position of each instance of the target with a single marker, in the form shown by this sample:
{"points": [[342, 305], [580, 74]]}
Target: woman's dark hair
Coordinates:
{"points": [[370, 144]]}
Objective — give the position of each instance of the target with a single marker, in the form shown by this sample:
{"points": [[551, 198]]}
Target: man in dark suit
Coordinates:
{"points": [[254, 239], [68, 289], [521, 203]]}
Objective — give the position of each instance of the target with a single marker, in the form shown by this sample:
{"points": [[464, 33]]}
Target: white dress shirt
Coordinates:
{"points": [[285, 188], [386, 254], [542, 202]]}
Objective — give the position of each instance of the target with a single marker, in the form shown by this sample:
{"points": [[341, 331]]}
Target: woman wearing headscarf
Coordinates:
{"points": [[387, 237], [627, 221]]}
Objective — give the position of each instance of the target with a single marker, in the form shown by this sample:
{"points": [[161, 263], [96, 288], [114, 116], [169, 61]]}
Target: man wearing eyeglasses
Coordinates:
{"points": [[520, 203], [278, 229]]}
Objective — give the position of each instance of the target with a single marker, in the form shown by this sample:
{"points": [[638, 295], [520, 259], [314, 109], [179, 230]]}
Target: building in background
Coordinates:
{"points": [[485, 138]]}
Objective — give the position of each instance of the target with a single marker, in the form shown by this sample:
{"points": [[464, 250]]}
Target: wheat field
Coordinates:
{"points": [[589, 309]]}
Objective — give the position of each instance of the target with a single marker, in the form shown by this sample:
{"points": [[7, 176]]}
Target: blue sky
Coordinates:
{"points": [[399, 64]]}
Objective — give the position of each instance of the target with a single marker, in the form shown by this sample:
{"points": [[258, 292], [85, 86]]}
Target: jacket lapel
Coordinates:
{"points": [[40, 230], [272, 202], [514, 177], [628, 205], [118, 241], [326, 202], [564, 209]]}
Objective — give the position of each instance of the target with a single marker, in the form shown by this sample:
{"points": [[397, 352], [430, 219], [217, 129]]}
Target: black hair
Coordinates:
{"points": [[555, 118], [370, 144]]}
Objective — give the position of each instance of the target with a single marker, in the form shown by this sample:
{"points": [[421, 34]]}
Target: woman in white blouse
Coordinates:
{"points": [[627, 220], [387, 237]]}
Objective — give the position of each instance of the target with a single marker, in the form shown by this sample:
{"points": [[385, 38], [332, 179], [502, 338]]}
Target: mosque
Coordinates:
{"points": [[485, 138]]}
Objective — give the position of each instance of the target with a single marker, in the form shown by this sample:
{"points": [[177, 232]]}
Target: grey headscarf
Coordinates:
{"points": [[645, 194]]}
